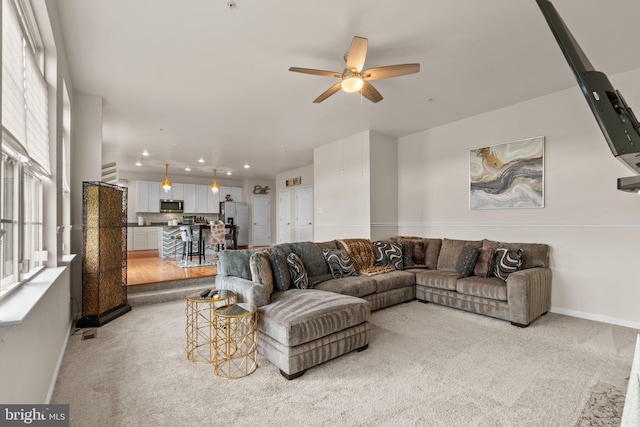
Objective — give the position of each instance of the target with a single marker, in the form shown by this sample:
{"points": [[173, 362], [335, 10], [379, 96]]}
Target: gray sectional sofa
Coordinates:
{"points": [[329, 317]]}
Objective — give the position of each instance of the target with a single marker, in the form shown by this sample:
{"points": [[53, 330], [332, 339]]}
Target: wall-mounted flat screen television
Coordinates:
{"points": [[616, 120]]}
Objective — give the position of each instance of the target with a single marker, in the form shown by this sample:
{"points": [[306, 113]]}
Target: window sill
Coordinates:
{"points": [[17, 306]]}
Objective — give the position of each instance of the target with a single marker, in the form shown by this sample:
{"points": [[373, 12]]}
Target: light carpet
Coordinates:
{"points": [[426, 365]]}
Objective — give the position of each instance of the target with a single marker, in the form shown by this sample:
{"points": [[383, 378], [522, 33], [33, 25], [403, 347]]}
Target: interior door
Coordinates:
{"points": [[261, 220], [304, 214], [285, 231]]}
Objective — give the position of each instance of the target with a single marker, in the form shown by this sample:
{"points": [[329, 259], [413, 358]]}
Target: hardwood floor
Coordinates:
{"points": [[147, 267]]}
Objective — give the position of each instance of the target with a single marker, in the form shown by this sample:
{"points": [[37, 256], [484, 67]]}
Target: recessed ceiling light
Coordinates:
{"points": [[228, 172], [201, 160], [138, 163], [145, 153], [187, 169], [246, 166]]}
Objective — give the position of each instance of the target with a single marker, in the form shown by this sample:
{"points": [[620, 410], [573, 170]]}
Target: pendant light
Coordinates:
{"points": [[215, 187], [166, 184]]}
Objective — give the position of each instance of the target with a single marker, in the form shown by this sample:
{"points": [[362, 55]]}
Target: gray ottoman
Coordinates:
{"points": [[302, 328]]}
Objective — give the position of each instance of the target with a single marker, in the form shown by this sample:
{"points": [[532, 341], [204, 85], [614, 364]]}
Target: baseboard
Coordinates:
{"points": [[54, 378], [596, 317]]}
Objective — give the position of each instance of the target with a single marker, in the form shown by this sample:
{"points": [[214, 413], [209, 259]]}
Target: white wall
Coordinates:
{"points": [[86, 165], [384, 186], [30, 354], [592, 228], [341, 177]]}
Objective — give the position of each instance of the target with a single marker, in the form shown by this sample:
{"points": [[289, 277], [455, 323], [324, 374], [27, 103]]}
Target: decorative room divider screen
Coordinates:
{"points": [[104, 253]]}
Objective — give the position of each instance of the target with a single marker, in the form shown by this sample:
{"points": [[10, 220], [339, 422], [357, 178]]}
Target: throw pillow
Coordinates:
{"points": [[298, 272], [484, 265], [388, 253], [507, 262], [467, 261], [407, 253], [339, 263], [260, 265]]}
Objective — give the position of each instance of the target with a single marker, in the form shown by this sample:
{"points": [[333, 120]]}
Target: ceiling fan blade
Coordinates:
{"points": [[357, 53], [327, 93], [370, 92], [390, 71], [316, 72]]}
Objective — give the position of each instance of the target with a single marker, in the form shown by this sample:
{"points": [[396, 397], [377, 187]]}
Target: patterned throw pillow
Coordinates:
{"points": [[407, 253], [467, 261], [260, 265], [298, 272], [339, 263], [507, 262], [484, 265], [388, 253]]}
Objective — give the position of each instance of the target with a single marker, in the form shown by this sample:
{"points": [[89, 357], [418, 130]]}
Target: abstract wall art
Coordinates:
{"points": [[507, 175]]}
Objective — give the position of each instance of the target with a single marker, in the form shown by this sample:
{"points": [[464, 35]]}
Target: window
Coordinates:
{"points": [[25, 147]]}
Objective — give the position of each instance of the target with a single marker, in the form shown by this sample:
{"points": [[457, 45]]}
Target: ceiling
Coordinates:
{"points": [[215, 78]]}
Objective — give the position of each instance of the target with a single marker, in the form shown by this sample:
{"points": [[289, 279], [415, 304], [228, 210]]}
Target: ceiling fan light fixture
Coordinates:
{"points": [[166, 184], [351, 83]]}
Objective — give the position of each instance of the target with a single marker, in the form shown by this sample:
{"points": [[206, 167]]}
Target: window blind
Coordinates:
{"points": [[13, 105], [24, 91]]}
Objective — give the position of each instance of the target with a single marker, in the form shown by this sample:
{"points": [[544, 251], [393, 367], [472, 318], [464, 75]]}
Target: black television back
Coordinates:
{"points": [[616, 120]]}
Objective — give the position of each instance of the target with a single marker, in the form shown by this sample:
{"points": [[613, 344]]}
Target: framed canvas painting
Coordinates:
{"points": [[508, 175]]}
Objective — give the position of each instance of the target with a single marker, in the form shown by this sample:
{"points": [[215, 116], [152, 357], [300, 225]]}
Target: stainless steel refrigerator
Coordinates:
{"points": [[237, 213]]}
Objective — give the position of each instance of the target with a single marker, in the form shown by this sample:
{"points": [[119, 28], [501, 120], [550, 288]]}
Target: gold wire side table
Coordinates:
{"points": [[200, 323], [236, 341]]}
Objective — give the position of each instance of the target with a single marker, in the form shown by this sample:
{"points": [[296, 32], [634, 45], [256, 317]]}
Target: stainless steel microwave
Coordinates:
{"points": [[172, 206]]}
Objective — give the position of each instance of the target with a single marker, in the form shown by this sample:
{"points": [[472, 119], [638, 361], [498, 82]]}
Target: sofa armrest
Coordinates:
{"points": [[529, 294], [247, 291]]}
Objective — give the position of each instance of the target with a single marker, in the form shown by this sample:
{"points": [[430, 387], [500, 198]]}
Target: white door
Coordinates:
{"points": [[304, 214], [261, 220], [284, 217]]}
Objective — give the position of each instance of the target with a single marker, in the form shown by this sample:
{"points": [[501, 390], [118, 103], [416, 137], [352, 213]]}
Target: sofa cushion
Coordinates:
{"points": [[281, 277], [388, 253], [534, 254], [393, 280], [450, 251], [431, 251], [260, 266], [299, 316], [407, 254], [441, 279], [299, 277], [415, 247], [312, 257], [355, 286], [484, 265], [235, 263], [507, 261], [467, 261], [485, 287], [339, 263]]}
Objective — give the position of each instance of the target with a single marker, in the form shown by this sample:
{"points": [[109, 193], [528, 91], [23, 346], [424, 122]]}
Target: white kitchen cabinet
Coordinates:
{"points": [[202, 198], [189, 198], [213, 202], [130, 231], [176, 192], [147, 196], [144, 238], [235, 192]]}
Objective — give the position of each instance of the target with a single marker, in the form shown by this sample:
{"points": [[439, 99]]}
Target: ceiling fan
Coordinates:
{"points": [[353, 78]]}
